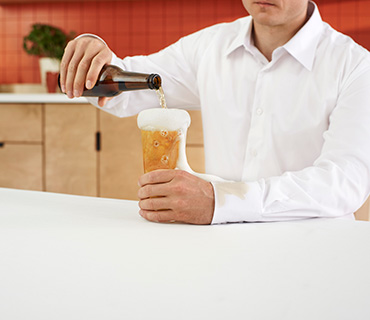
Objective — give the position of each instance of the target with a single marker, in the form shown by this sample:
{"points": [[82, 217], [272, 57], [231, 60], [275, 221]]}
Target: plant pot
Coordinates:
{"points": [[52, 81], [48, 65]]}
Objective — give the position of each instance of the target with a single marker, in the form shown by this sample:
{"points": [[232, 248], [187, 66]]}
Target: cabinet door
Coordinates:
{"points": [[70, 149], [121, 161], [21, 122], [21, 146], [21, 166]]}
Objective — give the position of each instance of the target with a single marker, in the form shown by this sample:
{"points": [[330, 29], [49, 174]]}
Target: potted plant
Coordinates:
{"points": [[48, 43]]}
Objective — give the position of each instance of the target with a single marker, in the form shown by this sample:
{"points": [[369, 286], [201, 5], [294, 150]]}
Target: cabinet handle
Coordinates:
{"points": [[98, 142]]}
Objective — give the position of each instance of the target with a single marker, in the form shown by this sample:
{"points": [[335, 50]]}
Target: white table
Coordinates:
{"points": [[71, 257]]}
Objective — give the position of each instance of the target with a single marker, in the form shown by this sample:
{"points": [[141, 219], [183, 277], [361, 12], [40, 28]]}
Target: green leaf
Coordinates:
{"points": [[46, 41]]}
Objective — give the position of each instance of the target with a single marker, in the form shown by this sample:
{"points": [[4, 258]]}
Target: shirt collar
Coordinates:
{"points": [[304, 43], [302, 46], [243, 36]]}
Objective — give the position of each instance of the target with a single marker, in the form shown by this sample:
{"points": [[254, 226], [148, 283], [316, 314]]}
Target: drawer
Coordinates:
{"points": [[21, 122], [21, 166]]}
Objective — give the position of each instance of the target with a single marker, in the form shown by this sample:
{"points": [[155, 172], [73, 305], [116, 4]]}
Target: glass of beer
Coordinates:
{"points": [[163, 133]]}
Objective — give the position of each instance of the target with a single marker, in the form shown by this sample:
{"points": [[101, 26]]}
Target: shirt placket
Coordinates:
{"points": [[254, 150]]}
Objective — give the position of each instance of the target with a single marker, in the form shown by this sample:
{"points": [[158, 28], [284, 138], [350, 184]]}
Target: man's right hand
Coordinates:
{"points": [[81, 64]]}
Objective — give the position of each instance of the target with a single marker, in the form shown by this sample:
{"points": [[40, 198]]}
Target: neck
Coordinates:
{"points": [[267, 38]]}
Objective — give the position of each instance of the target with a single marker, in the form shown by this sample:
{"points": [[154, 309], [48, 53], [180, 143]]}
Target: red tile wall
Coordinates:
{"points": [[142, 26]]}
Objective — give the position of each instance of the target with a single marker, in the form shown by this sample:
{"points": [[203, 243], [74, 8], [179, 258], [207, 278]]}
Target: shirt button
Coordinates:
{"points": [[259, 111]]}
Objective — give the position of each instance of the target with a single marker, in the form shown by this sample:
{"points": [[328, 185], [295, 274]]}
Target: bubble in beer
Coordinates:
{"points": [[156, 144], [164, 159], [164, 133]]}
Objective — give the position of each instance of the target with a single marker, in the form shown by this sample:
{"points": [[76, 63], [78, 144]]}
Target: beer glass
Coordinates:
{"points": [[163, 132]]}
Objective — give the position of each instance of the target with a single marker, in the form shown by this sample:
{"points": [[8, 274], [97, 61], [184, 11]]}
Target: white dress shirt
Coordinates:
{"points": [[292, 136]]}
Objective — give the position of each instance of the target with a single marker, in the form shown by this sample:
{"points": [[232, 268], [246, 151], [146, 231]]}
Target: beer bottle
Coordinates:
{"points": [[112, 80]]}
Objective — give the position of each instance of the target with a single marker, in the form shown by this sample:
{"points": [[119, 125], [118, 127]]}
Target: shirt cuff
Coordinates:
{"points": [[116, 61], [237, 202]]}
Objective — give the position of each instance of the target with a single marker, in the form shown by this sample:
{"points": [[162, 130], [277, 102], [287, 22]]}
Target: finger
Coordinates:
{"points": [[153, 190], [96, 56], [71, 71], [91, 49], [80, 76], [154, 204], [67, 56], [103, 100], [156, 176], [102, 58], [158, 216]]}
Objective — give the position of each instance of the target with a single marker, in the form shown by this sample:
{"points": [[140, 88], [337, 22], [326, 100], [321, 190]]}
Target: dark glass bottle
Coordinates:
{"points": [[113, 80]]}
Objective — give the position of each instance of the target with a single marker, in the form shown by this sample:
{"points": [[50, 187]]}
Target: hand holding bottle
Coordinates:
{"points": [[81, 64]]}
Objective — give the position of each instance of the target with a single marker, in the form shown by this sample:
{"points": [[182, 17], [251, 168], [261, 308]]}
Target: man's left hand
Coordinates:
{"points": [[175, 196]]}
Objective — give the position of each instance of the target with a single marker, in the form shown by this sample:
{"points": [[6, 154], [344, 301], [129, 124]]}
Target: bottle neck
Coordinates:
{"points": [[152, 81], [131, 86]]}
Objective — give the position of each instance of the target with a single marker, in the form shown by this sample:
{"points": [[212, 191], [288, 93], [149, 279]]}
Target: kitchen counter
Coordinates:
{"points": [[73, 257], [38, 98]]}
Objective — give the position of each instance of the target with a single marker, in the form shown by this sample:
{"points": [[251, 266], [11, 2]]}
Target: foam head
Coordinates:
{"points": [[163, 118]]}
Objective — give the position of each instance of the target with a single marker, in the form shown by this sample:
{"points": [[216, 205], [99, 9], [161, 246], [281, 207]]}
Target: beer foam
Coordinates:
{"points": [[163, 118]]}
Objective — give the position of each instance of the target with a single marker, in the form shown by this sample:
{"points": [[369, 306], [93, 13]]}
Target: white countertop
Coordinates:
{"points": [[72, 257], [38, 98]]}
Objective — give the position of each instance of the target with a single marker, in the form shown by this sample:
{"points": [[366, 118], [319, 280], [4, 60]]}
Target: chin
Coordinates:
{"points": [[265, 20]]}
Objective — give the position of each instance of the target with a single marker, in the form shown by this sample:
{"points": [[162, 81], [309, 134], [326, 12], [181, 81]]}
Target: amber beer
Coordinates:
{"points": [[163, 133], [160, 149]]}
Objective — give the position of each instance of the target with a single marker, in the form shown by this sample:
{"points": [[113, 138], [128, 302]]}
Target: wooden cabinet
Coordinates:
{"points": [[21, 154], [77, 149], [21, 122], [364, 212], [121, 162], [70, 149], [21, 166], [120, 157]]}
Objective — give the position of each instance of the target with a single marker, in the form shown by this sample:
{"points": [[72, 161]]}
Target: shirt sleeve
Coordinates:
{"points": [[178, 80], [337, 183], [177, 67]]}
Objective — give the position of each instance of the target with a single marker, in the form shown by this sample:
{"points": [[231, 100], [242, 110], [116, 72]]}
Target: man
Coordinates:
{"points": [[285, 103]]}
